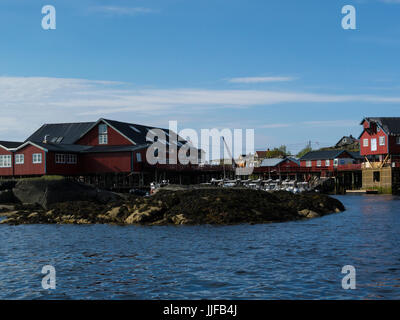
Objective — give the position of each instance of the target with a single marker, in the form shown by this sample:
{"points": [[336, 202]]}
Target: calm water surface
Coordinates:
{"points": [[294, 260]]}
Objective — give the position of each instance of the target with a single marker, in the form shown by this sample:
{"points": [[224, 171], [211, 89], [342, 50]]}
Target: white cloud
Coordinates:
{"points": [[316, 124], [333, 123], [260, 79], [276, 125], [27, 102]]}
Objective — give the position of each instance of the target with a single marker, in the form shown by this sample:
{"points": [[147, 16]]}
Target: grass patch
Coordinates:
{"points": [[382, 190], [42, 178]]}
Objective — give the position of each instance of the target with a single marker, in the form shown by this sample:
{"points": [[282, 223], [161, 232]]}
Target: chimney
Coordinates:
{"points": [[46, 138]]}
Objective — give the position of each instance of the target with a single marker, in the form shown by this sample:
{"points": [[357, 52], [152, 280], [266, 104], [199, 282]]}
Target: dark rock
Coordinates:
{"points": [[7, 196], [190, 206], [47, 192], [7, 184]]}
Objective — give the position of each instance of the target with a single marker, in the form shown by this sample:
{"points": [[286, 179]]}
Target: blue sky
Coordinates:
{"points": [[283, 67]]}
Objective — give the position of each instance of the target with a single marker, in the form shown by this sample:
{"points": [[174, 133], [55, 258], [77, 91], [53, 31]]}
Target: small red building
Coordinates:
{"points": [[280, 164], [326, 159]]}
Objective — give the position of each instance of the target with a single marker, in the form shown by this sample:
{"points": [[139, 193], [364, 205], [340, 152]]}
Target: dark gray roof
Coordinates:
{"points": [[76, 148], [322, 155], [272, 162], [69, 132], [135, 132], [356, 154], [294, 160], [100, 149], [391, 125], [10, 144]]}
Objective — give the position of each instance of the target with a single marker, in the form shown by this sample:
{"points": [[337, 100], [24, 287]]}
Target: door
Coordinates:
{"points": [[374, 145]]}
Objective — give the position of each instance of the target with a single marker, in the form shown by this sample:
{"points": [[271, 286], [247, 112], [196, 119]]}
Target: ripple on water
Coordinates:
{"points": [[294, 260]]}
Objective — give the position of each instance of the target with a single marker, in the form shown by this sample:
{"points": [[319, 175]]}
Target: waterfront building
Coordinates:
{"points": [[380, 147]]}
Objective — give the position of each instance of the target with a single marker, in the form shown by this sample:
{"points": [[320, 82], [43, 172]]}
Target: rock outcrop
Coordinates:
{"points": [[191, 206], [46, 192]]}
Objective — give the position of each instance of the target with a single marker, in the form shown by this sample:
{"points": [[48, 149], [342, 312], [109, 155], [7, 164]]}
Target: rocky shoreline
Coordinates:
{"points": [[192, 206]]}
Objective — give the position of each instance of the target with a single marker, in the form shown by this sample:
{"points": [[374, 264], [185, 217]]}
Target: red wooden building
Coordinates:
{"points": [[327, 159], [380, 146], [380, 138], [73, 149]]}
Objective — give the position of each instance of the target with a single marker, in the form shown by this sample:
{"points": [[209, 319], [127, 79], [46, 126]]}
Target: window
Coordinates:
{"points": [[102, 129], [37, 158], [66, 158], [374, 146], [60, 158], [327, 163], [365, 143], [19, 158], [377, 176], [5, 161], [397, 140], [382, 141], [103, 137], [319, 163], [139, 157], [72, 159], [308, 164]]}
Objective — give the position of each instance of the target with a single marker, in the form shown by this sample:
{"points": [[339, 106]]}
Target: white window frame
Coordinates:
{"points": [[37, 158], [308, 163], [327, 163], [72, 159], [19, 158], [319, 163], [397, 140], [63, 158], [5, 161], [103, 134], [59, 158], [365, 142], [103, 139], [382, 140]]}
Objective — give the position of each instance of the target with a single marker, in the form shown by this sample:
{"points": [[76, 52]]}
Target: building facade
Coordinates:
{"points": [[89, 148], [380, 147]]}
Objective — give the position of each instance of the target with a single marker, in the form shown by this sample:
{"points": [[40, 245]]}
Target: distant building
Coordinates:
{"points": [[280, 163], [346, 141], [252, 160], [326, 159]]}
